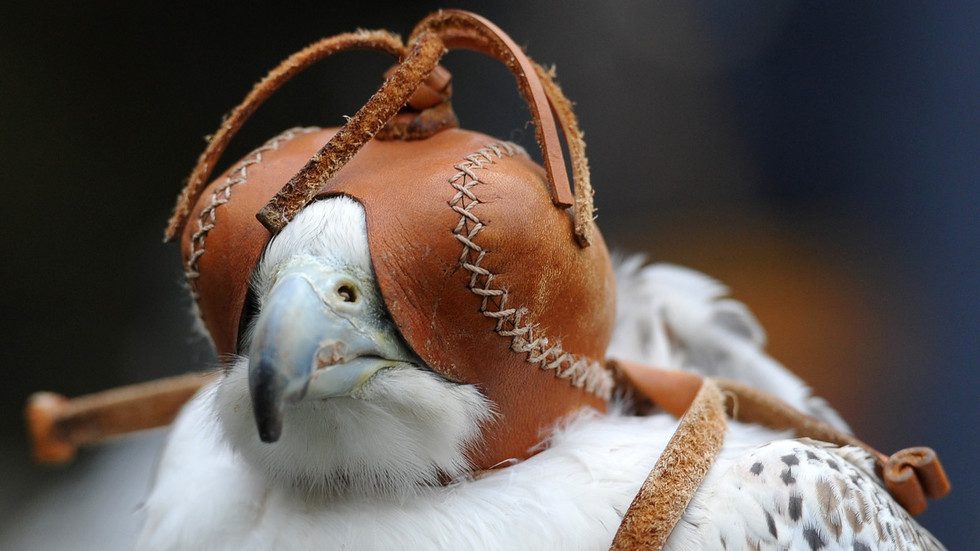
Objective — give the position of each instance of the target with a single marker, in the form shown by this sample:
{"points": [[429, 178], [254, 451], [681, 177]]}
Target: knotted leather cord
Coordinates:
{"points": [[275, 79]]}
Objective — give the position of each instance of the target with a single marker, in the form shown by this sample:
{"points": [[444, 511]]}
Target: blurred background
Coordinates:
{"points": [[819, 159]]}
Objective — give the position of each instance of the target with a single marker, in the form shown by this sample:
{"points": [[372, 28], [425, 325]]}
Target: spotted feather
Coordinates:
{"points": [[798, 494]]}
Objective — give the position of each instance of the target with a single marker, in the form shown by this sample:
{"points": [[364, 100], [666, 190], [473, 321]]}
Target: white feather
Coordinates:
{"points": [[404, 430]]}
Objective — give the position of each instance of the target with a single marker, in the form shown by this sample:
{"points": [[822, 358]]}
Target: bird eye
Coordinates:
{"points": [[347, 292]]}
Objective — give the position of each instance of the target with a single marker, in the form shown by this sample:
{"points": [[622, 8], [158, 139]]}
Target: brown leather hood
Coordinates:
{"points": [[491, 268], [477, 268]]}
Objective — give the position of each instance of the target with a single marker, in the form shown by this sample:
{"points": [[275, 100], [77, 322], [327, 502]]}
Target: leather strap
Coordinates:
{"points": [[361, 128], [58, 425], [460, 29], [277, 77], [910, 475], [679, 471]]}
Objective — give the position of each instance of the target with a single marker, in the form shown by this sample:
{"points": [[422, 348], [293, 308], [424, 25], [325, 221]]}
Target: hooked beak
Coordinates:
{"points": [[320, 334]]}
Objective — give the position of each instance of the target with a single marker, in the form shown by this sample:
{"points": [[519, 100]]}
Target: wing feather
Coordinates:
{"points": [[679, 318]]}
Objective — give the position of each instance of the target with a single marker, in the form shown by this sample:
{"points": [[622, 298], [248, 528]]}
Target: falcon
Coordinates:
{"points": [[331, 433], [425, 345]]}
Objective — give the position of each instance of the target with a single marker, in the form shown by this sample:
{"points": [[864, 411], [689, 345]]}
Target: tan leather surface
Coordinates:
{"points": [[404, 186], [672, 390], [232, 247], [430, 40]]}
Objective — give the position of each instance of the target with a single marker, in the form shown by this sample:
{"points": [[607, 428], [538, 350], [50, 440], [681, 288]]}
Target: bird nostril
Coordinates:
{"points": [[347, 292]]}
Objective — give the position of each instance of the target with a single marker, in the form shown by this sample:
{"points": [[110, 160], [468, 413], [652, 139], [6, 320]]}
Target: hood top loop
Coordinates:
{"points": [[430, 40]]}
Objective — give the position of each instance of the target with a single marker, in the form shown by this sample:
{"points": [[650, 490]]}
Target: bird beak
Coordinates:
{"points": [[320, 333]]}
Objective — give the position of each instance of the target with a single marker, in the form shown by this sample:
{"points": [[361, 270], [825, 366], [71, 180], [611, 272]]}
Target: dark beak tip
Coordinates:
{"points": [[270, 434]]}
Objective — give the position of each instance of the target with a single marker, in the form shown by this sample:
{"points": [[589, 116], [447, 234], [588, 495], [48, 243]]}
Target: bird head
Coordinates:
{"points": [[414, 301], [328, 396]]}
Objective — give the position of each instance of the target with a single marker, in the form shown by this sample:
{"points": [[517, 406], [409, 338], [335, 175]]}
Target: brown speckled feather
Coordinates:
{"points": [[798, 494]]}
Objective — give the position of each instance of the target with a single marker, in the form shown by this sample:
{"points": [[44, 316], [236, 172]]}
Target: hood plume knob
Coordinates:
{"points": [[427, 112]]}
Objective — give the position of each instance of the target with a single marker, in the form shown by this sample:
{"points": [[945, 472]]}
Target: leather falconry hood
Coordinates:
{"points": [[490, 266]]}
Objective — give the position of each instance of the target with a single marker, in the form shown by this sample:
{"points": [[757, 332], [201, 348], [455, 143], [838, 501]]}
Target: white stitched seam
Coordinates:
{"points": [[221, 195], [525, 337]]}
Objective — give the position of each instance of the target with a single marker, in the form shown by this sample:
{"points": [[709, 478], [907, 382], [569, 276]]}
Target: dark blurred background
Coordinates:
{"points": [[819, 159]]}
